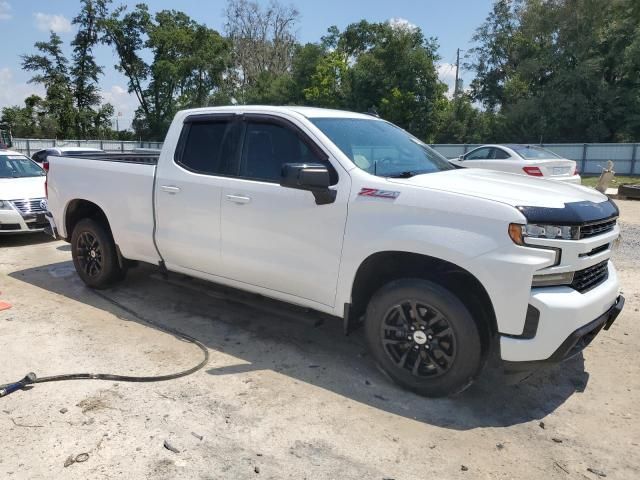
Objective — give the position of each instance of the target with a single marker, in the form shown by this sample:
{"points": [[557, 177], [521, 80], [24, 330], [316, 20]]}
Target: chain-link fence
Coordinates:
{"points": [[591, 157], [28, 146]]}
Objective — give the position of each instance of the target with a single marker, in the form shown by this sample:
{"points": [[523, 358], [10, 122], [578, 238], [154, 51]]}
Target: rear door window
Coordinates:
{"points": [[209, 147], [500, 154]]}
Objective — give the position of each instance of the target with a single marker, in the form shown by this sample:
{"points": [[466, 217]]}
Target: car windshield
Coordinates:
{"points": [[381, 148], [530, 152], [19, 166]]}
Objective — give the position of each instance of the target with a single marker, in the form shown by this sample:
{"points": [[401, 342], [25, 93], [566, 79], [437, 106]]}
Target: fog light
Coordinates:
{"points": [[552, 279]]}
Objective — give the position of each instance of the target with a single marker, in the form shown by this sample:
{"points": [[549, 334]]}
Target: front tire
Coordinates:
{"points": [[423, 337], [94, 255]]}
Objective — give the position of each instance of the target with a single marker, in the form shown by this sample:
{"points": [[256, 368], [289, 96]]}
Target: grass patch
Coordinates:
{"points": [[617, 181]]}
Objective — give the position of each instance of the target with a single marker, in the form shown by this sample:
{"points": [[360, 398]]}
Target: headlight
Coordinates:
{"points": [[519, 233], [5, 205], [552, 279]]}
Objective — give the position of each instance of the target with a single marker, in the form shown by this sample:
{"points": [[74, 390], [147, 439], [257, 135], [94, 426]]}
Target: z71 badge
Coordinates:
{"points": [[374, 192]]}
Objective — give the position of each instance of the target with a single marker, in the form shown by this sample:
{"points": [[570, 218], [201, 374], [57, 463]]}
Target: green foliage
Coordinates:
{"points": [[380, 67], [51, 70], [545, 70], [562, 70], [187, 67], [85, 72]]}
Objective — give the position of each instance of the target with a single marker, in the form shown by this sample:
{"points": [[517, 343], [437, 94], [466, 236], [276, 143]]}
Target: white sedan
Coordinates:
{"points": [[22, 194], [522, 159]]}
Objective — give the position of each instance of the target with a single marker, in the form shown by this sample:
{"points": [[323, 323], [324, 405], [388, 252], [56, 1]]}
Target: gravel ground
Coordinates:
{"points": [[285, 395]]}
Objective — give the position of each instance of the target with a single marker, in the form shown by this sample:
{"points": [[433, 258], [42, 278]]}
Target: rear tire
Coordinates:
{"points": [[94, 255], [423, 337]]}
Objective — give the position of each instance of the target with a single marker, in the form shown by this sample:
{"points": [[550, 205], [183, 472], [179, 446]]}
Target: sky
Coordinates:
{"points": [[24, 22]]}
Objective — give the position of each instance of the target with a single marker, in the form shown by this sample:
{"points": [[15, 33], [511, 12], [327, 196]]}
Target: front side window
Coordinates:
{"points": [[381, 148], [479, 154], [268, 146], [208, 147], [19, 166]]}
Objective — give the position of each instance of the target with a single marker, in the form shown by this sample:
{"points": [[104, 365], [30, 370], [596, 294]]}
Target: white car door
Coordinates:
{"points": [[188, 191], [276, 237]]}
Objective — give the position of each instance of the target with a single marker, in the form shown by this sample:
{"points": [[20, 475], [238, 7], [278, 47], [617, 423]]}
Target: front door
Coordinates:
{"points": [[275, 237]]}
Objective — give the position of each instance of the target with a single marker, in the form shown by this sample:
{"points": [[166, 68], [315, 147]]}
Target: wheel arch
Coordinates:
{"points": [[383, 267], [79, 209]]}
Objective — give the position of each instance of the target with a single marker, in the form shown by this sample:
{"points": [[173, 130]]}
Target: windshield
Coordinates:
{"points": [[19, 166], [529, 152], [381, 148]]}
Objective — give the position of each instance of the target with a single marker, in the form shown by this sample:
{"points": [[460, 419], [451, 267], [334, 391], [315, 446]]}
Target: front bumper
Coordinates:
{"points": [[11, 221], [575, 343], [562, 314]]}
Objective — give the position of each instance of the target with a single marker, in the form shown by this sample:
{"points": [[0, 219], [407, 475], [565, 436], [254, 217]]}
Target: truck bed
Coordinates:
{"points": [[120, 184]]}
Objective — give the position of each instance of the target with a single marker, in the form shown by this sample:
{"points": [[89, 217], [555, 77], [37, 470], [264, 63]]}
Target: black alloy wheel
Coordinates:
{"points": [[95, 254], [418, 338], [423, 337], [89, 254]]}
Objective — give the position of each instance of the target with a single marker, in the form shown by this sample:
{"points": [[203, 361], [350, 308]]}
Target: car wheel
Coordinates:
{"points": [[94, 255], [423, 337]]}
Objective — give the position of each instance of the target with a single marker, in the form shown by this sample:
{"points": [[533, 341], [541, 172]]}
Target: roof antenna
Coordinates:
{"points": [[373, 112]]}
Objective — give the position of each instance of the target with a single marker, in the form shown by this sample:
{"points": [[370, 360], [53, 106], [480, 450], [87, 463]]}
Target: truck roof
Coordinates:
{"points": [[309, 112]]}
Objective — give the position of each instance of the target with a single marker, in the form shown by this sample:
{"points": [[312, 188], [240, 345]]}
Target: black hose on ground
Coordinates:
{"points": [[31, 378]]}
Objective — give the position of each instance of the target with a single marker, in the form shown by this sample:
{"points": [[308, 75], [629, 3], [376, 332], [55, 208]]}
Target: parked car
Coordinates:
{"points": [[41, 155], [350, 215], [22, 196], [522, 159]]}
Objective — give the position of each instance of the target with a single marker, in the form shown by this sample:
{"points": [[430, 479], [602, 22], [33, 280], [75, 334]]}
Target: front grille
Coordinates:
{"points": [[594, 229], [588, 278], [30, 206], [37, 225]]}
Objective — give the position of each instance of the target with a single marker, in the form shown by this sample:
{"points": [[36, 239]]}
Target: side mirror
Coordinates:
{"points": [[461, 158], [313, 177]]}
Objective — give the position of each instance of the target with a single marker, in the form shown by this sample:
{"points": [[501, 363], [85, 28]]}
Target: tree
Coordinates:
{"points": [[264, 42], [188, 64], [494, 57], [84, 71], [561, 70], [392, 70], [51, 67], [328, 83]]}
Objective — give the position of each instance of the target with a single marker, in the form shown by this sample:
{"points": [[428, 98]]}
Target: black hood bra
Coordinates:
{"points": [[573, 213]]}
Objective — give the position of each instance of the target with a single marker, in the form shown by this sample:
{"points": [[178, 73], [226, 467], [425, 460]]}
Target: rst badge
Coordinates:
{"points": [[374, 192]]}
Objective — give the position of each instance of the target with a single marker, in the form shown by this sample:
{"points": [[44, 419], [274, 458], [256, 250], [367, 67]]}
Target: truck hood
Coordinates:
{"points": [[512, 189], [21, 188]]}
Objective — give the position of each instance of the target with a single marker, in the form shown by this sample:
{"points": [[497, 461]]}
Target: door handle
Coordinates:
{"points": [[239, 199], [170, 189]]}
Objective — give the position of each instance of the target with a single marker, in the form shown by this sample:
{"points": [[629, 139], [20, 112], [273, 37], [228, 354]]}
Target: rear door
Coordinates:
{"points": [[275, 237], [188, 190]]}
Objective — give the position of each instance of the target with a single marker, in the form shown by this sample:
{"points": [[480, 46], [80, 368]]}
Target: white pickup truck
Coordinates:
{"points": [[350, 215]]}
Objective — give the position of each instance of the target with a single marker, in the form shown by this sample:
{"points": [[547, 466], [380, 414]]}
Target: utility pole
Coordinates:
{"points": [[455, 89]]}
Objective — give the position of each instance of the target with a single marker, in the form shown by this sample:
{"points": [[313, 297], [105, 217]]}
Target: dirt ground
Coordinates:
{"points": [[285, 394]]}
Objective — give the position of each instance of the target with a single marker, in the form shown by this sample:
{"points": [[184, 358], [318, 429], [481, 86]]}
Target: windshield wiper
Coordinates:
{"points": [[405, 174]]}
